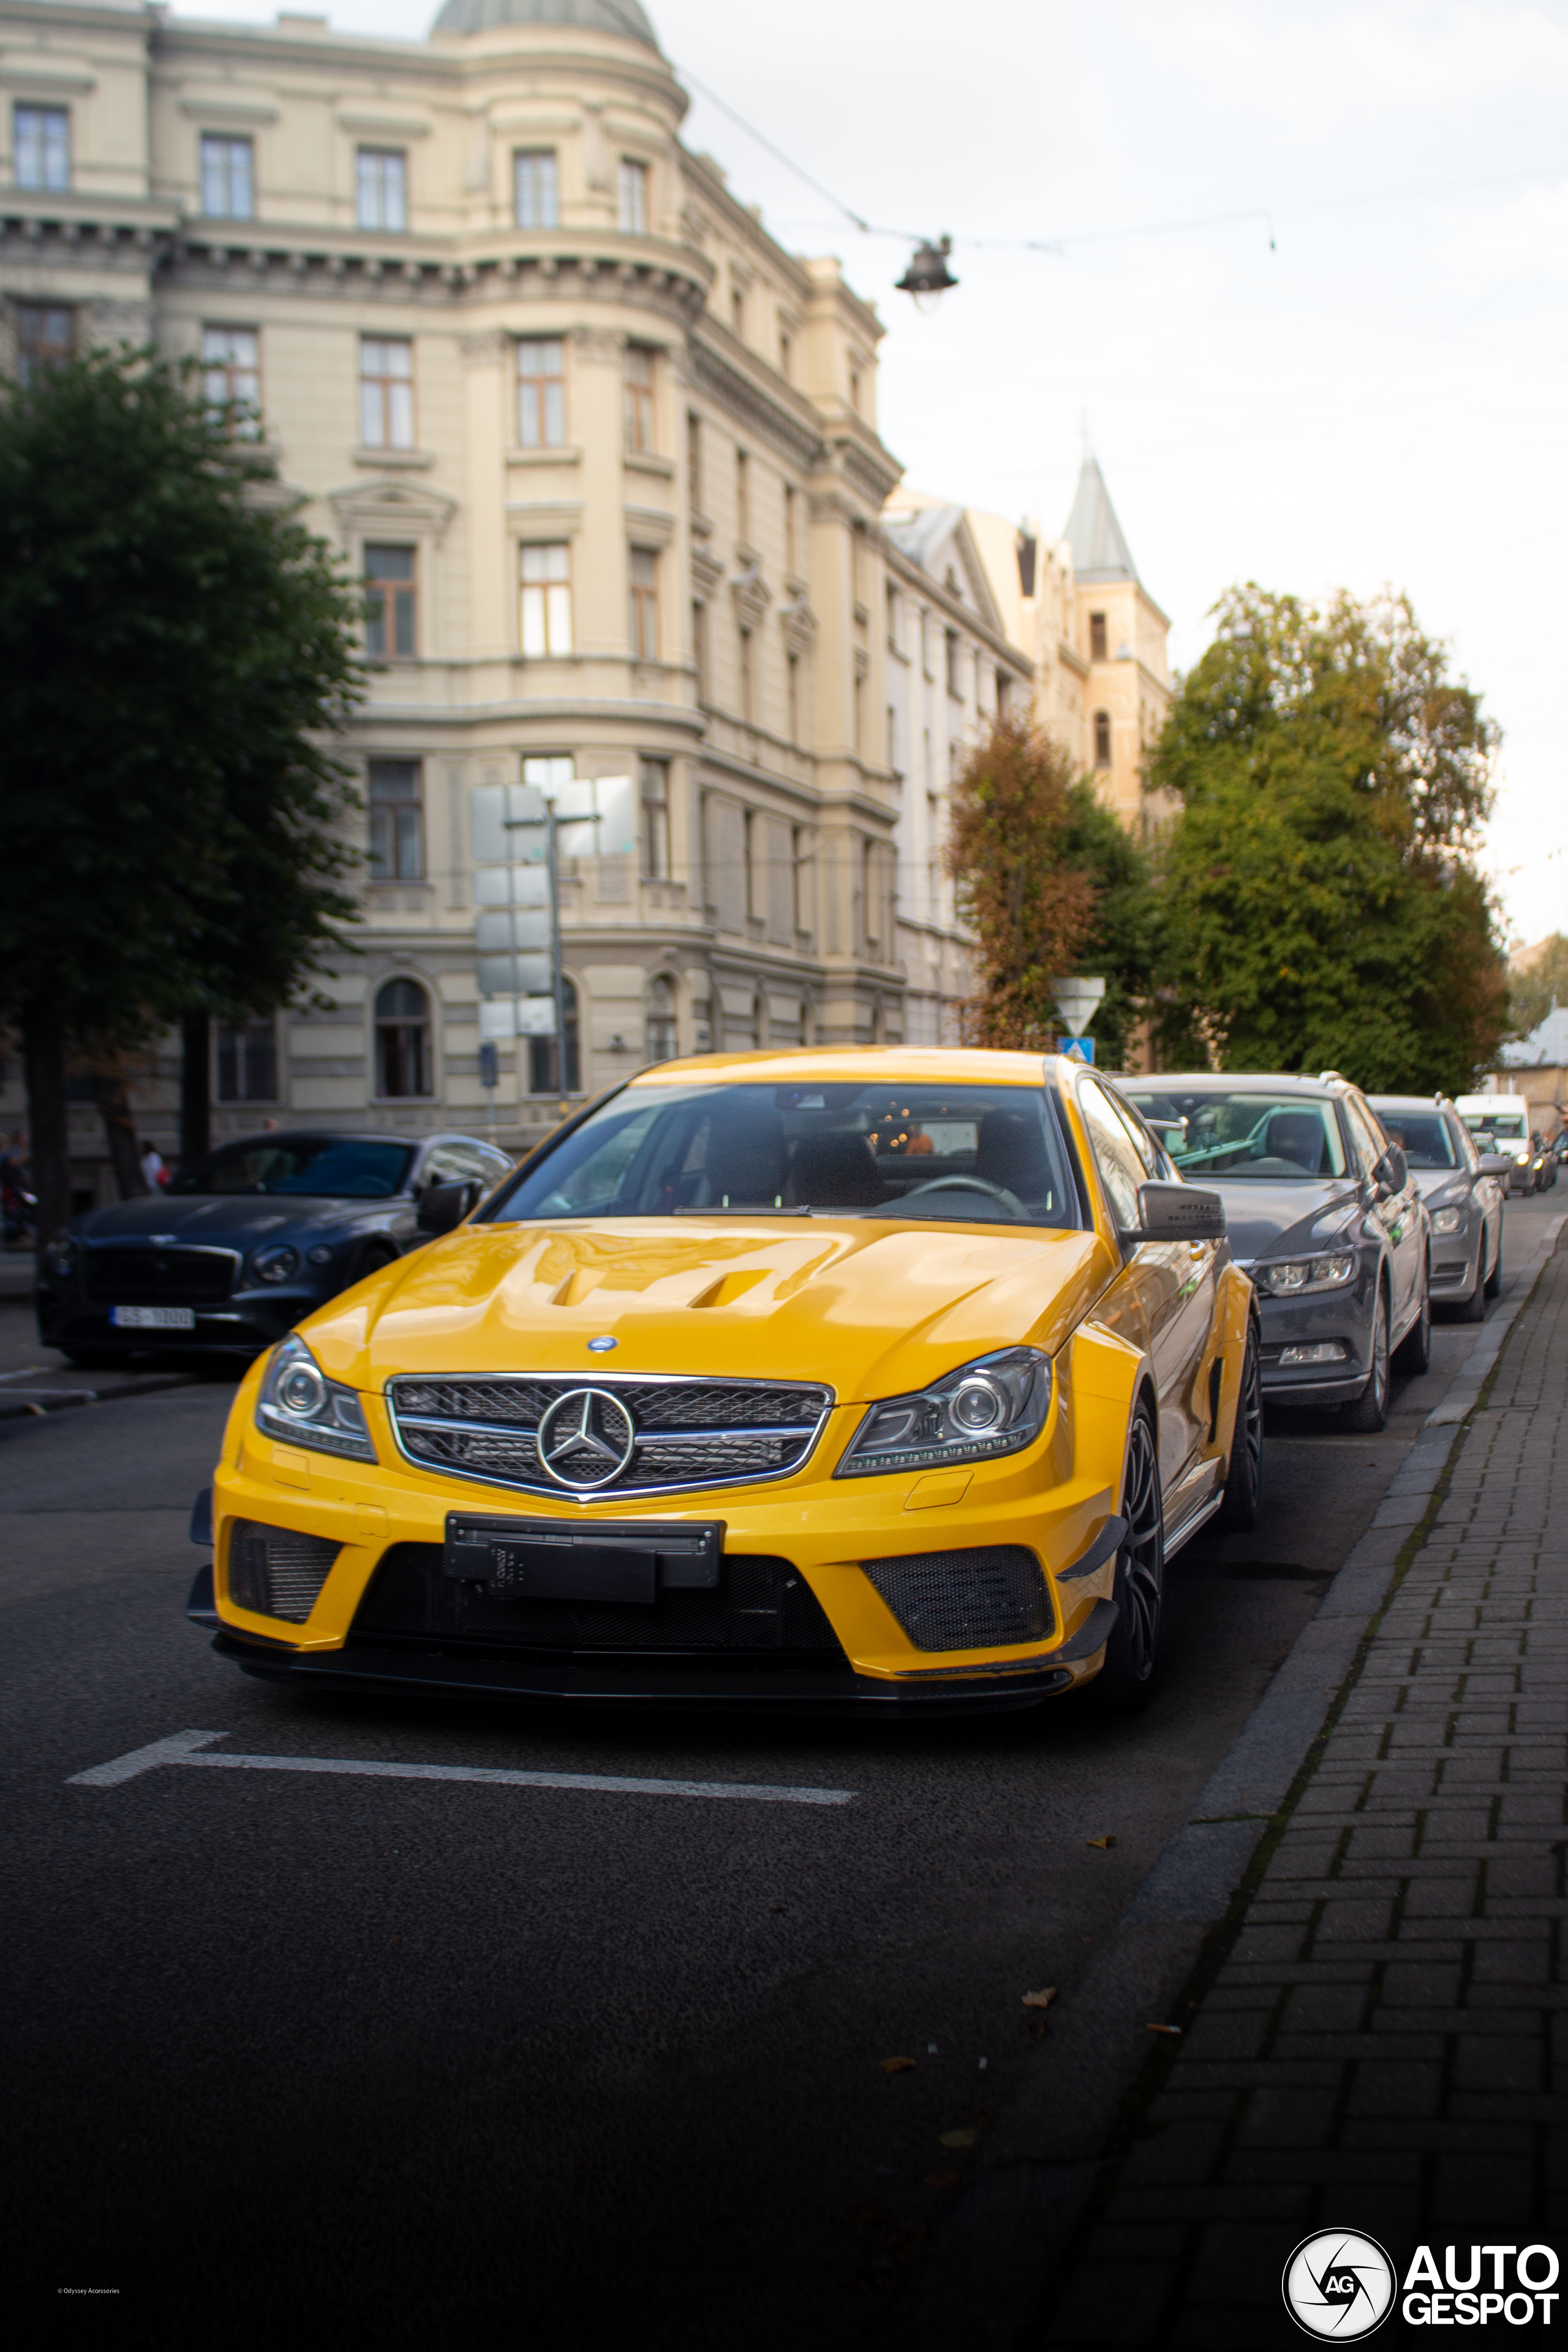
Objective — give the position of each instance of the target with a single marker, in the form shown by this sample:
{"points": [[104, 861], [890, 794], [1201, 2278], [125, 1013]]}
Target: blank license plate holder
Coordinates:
{"points": [[540, 1559]]}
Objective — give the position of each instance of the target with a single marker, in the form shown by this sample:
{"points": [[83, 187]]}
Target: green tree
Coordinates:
{"points": [[176, 654], [1322, 905], [1051, 885], [1543, 983]]}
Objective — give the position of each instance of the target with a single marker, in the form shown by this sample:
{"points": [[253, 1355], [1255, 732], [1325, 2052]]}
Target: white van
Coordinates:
{"points": [[1506, 1117]]}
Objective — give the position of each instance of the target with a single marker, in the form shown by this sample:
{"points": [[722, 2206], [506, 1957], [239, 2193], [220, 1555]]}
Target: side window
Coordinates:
{"points": [[450, 1163], [1366, 1142], [1143, 1143], [1120, 1169], [1465, 1144]]}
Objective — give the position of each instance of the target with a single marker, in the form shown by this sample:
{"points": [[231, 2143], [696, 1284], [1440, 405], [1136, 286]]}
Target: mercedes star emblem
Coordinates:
{"points": [[585, 1439]]}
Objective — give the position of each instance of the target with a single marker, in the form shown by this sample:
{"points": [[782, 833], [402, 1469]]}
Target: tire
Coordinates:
{"points": [[1369, 1410], [1244, 1472], [1130, 1675], [1494, 1279], [1414, 1354], [370, 1260]]}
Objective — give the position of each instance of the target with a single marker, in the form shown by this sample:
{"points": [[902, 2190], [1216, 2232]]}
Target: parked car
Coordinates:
{"points": [[866, 1379], [1325, 1216], [1464, 1193], [1506, 1119], [238, 1249]]}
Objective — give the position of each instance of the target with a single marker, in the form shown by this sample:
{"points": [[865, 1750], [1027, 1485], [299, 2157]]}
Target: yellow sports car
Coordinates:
{"points": [[842, 1379]]}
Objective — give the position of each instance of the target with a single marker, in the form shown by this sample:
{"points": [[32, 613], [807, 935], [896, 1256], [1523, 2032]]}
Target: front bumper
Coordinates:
{"points": [[241, 1326], [1322, 1318]]}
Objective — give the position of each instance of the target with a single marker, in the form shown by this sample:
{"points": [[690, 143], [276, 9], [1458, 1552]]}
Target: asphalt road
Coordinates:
{"points": [[451, 2064]]}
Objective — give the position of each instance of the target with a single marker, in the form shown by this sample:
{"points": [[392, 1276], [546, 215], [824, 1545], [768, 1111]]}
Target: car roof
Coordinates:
{"points": [[894, 1064], [1409, 1102], [1236, 1082]]}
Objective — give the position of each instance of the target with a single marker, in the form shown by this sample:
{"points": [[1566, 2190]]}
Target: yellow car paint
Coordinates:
{"points": [[874, 1308]]}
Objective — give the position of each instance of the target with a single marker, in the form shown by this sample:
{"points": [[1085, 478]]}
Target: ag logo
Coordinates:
{"points": [[585, 1439], [1338, 2284]]}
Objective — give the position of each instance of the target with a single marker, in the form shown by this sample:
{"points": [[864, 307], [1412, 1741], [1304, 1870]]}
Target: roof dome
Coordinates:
{"points": [[624, 17]]}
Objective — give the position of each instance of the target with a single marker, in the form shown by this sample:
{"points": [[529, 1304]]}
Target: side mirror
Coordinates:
{"points": [[1393, 1168], [1496, 1163], [443, 1207], [1178, 1213]]}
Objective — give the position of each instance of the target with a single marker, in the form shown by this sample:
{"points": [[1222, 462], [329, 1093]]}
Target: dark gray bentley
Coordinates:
{"points": [[263, 1231], [1464, 1190], [1325, 1216]]}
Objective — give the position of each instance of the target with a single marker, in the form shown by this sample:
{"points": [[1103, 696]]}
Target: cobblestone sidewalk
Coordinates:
{"points": [[1384, 2046]]}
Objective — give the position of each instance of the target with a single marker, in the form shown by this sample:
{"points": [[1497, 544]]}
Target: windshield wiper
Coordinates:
{"points": [[740, 1212]]}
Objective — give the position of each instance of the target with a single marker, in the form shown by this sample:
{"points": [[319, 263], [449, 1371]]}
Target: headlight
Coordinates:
{"points": [[1448, 1221], [320, 1255], [276, 1263], [60, 1256], [1288, 1278], [996, 1406], [300, 1404]]}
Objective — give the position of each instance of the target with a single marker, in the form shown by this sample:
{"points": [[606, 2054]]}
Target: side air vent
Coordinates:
{"points": [[965, 1600], [277, 1572]]}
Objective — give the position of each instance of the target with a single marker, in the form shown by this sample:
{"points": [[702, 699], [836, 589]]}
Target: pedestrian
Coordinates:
{"points": [[154, 1175]]}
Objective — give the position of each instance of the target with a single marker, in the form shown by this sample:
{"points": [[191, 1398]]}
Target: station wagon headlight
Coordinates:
{"points": [[276, 1263], [1448, 1221], [996, 1406], [299, 1404], [1289, 1278]]}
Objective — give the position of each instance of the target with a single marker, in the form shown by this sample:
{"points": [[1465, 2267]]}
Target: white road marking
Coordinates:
{"points": [[186, 1747]]}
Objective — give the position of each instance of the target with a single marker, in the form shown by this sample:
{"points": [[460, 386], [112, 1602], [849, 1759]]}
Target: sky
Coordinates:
{"points": [[1307, 304]]}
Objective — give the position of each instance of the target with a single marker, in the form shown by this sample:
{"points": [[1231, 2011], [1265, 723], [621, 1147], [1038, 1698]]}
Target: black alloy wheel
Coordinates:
{"points": [[1243, 1496], [1369, 1410], [1414, 1354], [1127, 1681]]}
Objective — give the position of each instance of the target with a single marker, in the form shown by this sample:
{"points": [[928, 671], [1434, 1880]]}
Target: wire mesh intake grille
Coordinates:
{"points": [[761, 1606], [678, 1432], [160, 1278], [277, 1572], [965, 1600]]}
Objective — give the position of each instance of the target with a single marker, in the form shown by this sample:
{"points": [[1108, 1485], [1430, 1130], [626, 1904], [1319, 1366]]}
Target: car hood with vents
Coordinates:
{"points": [[871, 1307]]}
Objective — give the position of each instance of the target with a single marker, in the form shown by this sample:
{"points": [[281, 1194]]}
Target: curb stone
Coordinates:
{"points": [[980, 2277]]}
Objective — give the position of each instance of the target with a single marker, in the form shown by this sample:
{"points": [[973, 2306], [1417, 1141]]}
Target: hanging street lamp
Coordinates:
{"points": [[928, 276]]}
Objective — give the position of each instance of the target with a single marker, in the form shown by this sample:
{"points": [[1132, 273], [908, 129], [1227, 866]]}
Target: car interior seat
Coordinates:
{"points": [[1297, 1136], [746, 1160], [834, 1171], [1009, 1150]]}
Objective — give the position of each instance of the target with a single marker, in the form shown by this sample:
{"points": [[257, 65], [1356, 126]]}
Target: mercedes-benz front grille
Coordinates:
{"points": [[610, 1435]]}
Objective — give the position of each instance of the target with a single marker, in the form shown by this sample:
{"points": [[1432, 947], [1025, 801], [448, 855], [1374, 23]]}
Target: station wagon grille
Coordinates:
{"points": [[140, 1276], [672, 1433]]}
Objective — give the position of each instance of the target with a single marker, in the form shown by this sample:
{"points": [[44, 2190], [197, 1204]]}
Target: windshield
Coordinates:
{"points": [[1507, 1126], [1274, 1137], [339, 1166], [1423, 1137], [966, 1154]]}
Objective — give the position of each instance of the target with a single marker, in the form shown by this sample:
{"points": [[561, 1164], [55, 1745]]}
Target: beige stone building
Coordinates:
{"points": [[606, 458]]}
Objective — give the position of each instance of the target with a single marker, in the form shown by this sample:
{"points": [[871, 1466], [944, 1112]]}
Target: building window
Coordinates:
{"points": [[541, 393], [645, 574], [800, 851], [737, 311], [792, 685], [663, 1043], [391, 609], [228, 178], [747, 680], [1102, 739], [386, 392], [950, 648], [41, 147], [791, 524], [403, 1040], [544, 1063], [534, 198], [786, 357], [656, 821], [633, 197], [748, 855], [892, 605], [248, 1062], [397, 822], [381, 187], [893, 740], [46, 336], [855, 390], [639, 398], [547, 600], [742, 498], [231, 377], [1004, 695], [1097, 636], [699, 650]]}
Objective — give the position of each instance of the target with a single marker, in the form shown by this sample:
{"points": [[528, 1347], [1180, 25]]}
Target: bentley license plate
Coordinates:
{"points": [[625, 1560], [153, 1318]]}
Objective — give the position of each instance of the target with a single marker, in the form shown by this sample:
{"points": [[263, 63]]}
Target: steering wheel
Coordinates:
{"points": [[966, 1184]]}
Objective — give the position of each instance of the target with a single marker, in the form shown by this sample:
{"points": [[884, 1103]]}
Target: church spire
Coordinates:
{"points": [[1099, 551]]}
